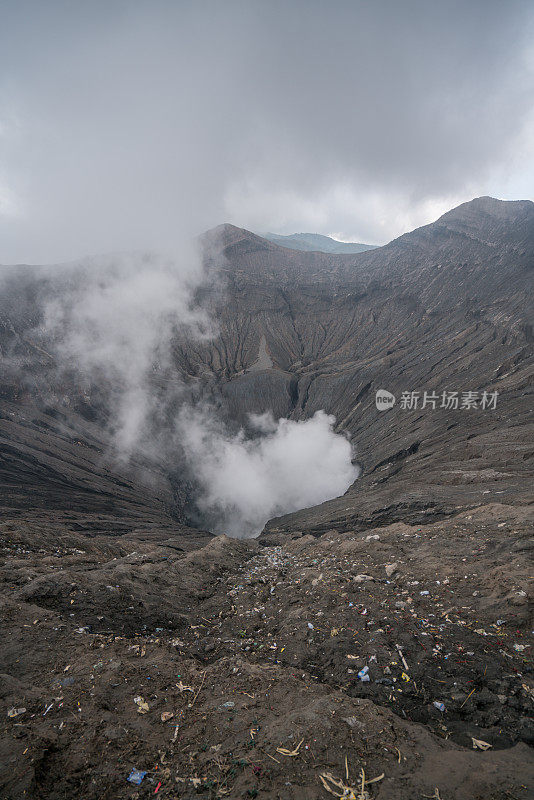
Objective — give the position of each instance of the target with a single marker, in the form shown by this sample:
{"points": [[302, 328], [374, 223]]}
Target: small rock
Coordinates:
{"points": [[353, 722], [361, 578]]}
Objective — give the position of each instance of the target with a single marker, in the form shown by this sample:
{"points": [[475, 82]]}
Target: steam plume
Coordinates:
{"points": [[288, 466]]}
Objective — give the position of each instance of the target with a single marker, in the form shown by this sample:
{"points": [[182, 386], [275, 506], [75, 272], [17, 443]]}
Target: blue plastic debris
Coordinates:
{"points": [[439, 706], [362, 674], [136, 776]]}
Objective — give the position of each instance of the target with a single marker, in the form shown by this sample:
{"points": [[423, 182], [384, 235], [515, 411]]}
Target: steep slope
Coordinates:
{"points": [[447, 307], [57, 469]]}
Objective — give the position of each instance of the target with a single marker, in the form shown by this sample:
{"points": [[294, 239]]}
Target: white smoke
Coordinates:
{"points": [[113, 321], [245, 482]]}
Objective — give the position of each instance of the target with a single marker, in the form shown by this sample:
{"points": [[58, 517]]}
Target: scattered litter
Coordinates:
{"points": [[362, 674], [142, 705], [195, 781], [391, 568], [136, 776], [15, 712], [439, 705], [310, 626], [328, 781], [519, 647], [478, 744], [467, 698], [348, 792], [228, 704], [404, 662], [166, 716], [183, 688], [285, 752]]}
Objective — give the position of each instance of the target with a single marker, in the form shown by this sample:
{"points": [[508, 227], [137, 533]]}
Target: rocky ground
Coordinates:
{"points": [[239, 669]]}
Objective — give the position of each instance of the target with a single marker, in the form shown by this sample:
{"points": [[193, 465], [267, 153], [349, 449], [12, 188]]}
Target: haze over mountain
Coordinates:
{"points": [[105, 545], [445, 307], [316, 242]]}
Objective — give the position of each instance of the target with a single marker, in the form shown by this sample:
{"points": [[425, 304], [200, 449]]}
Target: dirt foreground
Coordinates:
{"points": [[391, 664]]}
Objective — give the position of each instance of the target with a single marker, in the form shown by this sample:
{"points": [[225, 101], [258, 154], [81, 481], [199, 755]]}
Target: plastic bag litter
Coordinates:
{"points": [[136, 776], [362, 674]]}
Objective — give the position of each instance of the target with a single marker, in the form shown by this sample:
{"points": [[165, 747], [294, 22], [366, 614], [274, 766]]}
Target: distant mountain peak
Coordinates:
{"points": [[316, 242], [489, 207]]}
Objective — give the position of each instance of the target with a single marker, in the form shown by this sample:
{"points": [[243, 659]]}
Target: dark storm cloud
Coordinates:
{"points": [[129, 125]]}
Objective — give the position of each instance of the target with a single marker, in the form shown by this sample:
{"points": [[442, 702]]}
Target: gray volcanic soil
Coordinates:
{"points": [[221, 639], [108, 594]]}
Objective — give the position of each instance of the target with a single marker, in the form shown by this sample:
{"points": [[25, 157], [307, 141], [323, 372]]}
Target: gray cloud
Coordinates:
{"points": [[130, 125]]}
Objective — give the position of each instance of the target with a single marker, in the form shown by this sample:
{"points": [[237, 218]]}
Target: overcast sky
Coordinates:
{"points": [[129, 125]]}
